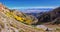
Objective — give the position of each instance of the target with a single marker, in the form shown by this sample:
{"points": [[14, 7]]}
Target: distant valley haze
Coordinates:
{"points": [[31, 5], [33, 9]]}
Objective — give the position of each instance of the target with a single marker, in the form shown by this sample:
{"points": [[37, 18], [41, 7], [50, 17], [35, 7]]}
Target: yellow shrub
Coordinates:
{"points": [[10, 14]]}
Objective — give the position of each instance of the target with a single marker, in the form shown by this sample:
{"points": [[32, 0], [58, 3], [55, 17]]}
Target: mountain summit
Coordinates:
{"points": [[1, 7]]}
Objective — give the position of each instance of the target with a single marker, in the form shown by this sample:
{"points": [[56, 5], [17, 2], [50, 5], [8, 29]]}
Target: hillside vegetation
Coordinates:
{"points": [[15, 21]]}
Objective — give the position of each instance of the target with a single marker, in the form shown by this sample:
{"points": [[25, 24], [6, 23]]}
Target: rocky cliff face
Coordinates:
{"points": [[51, 16]]}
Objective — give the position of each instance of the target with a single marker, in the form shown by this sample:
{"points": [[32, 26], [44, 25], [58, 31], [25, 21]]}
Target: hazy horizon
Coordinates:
{"points": [[34, 5], [17, 4]]}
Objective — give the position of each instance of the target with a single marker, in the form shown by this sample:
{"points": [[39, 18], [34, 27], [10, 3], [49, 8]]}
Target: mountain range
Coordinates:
{"points": [[35, 10], [52, 16]]}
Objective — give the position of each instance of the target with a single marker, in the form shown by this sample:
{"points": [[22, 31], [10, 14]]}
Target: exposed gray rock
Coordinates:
{"points": [[41, 26]]}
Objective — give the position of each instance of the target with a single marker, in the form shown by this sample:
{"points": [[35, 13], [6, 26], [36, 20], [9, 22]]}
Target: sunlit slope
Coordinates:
{"points": [[28, 18], [7, 24], [10, 22], [21, 19]]}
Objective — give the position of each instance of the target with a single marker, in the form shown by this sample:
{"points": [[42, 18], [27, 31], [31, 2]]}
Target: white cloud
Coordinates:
{"points": [[31, 7], [29, 11]]}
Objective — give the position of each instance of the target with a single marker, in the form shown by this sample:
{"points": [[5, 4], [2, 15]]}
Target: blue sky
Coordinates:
{"points": [[30, 3]]}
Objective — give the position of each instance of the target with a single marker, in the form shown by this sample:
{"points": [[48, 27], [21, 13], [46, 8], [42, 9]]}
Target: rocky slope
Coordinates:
{"points": [[13, 21], [51, 16], [26, 16]]}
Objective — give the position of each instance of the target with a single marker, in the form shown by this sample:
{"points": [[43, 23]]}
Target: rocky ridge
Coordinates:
{"points": [[10, 22]]}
